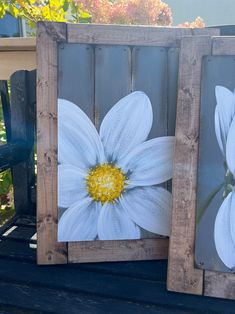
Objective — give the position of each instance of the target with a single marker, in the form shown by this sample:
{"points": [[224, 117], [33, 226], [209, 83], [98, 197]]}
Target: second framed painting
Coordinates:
{"points": [[202, 245]]}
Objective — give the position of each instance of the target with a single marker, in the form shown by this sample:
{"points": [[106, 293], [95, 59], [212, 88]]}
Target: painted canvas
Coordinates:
{"points": [[215, 236], [110, 182]]}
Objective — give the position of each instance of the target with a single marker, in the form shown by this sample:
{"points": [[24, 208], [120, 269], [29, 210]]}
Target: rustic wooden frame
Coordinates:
{"points": [[49, 251], [182, 274]]}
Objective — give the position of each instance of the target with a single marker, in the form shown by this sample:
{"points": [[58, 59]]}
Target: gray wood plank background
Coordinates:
{"points": [[76, 76], [95, 77]]}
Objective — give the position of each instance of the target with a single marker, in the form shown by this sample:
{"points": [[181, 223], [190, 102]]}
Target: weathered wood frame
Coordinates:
{"points": [[182, 274], [49, 36]]}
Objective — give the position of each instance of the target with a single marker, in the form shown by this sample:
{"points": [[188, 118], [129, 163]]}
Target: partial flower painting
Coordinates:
{"points": [[224, 231], [108, 182]]}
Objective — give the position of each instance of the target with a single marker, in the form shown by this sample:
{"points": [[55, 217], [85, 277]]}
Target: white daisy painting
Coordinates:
{"points": [[215, 236], [112, 182], [224, 228]]}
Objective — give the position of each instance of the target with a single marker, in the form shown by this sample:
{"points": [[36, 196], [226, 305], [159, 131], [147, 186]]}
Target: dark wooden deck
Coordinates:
{"points": [[130, 287]]}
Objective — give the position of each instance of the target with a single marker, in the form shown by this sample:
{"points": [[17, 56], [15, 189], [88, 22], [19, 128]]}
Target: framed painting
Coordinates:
{"points": [[202, 245], [106, 101]]}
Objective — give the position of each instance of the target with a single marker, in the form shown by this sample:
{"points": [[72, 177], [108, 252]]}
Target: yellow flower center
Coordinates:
{"points": [[105, 183]]}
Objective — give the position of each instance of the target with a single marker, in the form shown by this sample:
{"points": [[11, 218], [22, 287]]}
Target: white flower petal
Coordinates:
{"points": [[150, 163], [79, 222], [232, 217], [78, 141], [126, 125], [224, 243], [115, 224], [150, 208], [224, 113], [230, 148], [71, 185]]}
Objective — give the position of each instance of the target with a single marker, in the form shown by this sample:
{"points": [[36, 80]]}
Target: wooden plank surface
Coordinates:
{"points": [[93, 251], [223, 45], [70, 302], [149, 66], [49, 250], [141, 283], [77, 61], [213, 31], [219, 285], [16, 54], [112, 78], [109, 285], [22, 129], [125, 35], [182, 276], [172, 88], [12, 61], [18, 44]]}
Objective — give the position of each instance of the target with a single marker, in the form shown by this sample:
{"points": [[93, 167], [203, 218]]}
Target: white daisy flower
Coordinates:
{"points": [[107, 181], [224, 231]]}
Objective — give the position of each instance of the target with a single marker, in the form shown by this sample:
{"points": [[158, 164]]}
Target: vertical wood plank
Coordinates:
{"points": [[49, 251], [112, 78], [76, 76], [22, 129], [6, 108], [172, 90], [149, 66], [182, 276], [31, 83]]}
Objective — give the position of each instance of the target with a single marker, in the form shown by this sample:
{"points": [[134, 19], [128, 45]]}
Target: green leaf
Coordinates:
{"points": [[66, 5], [207, 202], [13, 10]]}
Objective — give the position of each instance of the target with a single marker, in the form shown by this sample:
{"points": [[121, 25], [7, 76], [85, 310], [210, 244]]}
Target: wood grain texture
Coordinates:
{"points": [[149, 67], [182, 276], [130, 35], [22, 129], [102, 251], [223, 45], [49, 250], [219, 285], [16, 54], [12, 61], [206, 31], [18, 44], [172, 87]]}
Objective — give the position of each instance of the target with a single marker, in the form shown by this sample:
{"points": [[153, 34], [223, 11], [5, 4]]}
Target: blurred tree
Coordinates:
{"points": [[147, 12], [44, 10], [150, 12], [198, 23]]}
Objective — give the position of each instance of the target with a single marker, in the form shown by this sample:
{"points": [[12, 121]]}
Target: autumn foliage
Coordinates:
{"points": [[198, 23], [150, 12], [145, 12]]}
